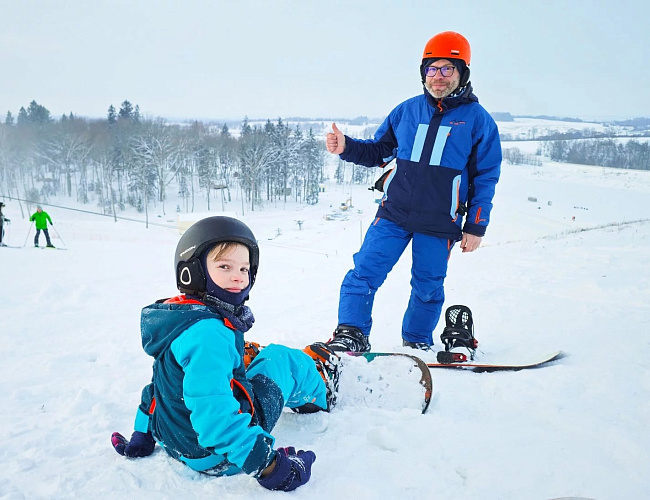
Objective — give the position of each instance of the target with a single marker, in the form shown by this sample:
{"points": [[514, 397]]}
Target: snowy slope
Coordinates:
{"points": [[72, 365]]}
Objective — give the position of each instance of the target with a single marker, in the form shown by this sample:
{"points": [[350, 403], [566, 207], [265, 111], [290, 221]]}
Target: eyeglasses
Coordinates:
{"points": [[444, 71]]}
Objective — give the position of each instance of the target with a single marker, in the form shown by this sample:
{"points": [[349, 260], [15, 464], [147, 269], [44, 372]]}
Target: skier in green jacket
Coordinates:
{"points": [[40, 218]]}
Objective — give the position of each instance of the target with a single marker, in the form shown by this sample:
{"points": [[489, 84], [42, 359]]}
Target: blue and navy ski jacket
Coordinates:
{"points": [[199, 404], [448, 160]]}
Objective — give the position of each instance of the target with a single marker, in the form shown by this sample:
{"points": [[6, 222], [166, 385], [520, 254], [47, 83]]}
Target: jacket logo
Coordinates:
{"points": [[454, 122]]}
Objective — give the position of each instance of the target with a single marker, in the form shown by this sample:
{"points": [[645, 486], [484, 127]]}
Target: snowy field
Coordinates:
{"points": [[566, 272], [529, 128]]}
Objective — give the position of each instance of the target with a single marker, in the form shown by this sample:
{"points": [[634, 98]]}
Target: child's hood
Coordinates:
{"points": [[161, 324]]}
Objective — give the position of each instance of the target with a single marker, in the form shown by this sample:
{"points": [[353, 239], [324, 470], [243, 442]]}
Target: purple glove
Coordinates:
{"points": [[291, 469], [141, 444]]}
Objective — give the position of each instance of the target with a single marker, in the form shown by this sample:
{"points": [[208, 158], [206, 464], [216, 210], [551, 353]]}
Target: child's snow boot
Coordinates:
{"points": [[251, 350], [328, 365]]}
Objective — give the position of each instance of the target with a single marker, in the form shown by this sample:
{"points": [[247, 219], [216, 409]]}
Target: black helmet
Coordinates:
{"points": [[190, 275]]}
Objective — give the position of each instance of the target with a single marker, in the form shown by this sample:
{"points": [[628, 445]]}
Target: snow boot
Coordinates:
{"points": [[251, 350], [422, 346], [328, 366], [348, 338]]}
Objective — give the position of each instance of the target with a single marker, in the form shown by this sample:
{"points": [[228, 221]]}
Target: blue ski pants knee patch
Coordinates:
{"points": [[295, 374]]}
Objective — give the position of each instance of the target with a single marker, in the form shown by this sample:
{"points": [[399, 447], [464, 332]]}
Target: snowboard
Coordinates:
{"points": [[385, 380], [478, 367]]}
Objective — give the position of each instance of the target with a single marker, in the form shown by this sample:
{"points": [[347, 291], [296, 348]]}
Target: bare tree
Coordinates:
{"points": [[254, 158], [65, 149], [159, 148]]}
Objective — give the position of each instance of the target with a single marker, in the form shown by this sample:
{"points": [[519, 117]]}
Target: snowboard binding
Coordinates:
{"points": [[459, 332]]}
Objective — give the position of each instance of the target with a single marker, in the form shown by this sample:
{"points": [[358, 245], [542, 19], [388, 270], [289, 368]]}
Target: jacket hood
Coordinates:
{"points": [[161, 324]]}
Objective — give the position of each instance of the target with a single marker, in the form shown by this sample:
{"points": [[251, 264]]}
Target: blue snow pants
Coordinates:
{"points": [[294, 372], [382, 247], [47, 237]]}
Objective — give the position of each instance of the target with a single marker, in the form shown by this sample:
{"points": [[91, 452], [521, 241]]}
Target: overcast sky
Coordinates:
{"points": [[278, 58]]}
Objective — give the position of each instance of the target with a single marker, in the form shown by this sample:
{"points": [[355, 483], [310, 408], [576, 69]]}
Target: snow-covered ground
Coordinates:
{"points": [[568, 271]]}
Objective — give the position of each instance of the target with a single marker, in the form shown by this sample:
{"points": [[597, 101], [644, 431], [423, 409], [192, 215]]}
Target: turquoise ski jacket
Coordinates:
{"points": [[199, 405]]}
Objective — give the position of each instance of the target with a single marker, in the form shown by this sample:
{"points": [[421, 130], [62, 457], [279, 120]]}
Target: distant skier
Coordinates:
{"points": [[448, 159], [3, 219], [40, 218], [214, 398]]}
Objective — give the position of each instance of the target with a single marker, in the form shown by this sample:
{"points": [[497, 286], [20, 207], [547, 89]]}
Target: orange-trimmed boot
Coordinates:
{"points": [[328, 364]]}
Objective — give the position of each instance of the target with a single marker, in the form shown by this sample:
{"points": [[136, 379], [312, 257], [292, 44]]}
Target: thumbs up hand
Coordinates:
{"points": [[335, 141]]}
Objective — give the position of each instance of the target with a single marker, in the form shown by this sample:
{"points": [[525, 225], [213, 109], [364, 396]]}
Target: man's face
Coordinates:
{"points": [[440, 86]]}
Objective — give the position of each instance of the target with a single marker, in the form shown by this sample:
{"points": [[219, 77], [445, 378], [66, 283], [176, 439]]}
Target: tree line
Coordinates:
{"points": [[127, 159], [602, 152]]}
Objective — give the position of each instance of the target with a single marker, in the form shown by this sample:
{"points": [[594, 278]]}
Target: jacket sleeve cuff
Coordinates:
{"points": [[142, 422], [475, 229], [260, 456]]}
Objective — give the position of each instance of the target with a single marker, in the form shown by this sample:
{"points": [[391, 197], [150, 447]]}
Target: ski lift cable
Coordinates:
{"points": [[89, 212]]}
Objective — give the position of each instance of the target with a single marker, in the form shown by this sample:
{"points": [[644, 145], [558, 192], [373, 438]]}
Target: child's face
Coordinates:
{"points": [[231, 270]]}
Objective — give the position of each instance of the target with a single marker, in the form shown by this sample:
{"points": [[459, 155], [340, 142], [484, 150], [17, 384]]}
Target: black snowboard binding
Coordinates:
{"points": [[459, 332]]}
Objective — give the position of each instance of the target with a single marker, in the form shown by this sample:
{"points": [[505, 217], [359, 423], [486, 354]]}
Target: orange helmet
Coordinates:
{"points": [[448, 45]]}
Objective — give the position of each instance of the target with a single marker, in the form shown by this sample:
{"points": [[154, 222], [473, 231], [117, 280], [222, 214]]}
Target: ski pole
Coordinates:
{"points": [[28, 231], [58, 235]]}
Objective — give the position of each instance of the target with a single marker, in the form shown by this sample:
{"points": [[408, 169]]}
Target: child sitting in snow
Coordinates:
{"points": [[206, 406]]}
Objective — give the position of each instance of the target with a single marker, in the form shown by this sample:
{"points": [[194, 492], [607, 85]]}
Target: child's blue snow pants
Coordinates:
{"points": [[294, 372]]}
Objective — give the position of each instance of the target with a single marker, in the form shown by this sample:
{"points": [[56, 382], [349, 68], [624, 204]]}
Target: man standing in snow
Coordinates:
{"points": [[448, 161], [40, 218], [2, 225]]}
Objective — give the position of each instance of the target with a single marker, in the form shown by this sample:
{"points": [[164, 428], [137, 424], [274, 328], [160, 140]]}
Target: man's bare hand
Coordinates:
{"points": [[335, 141], [469, 243]]}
